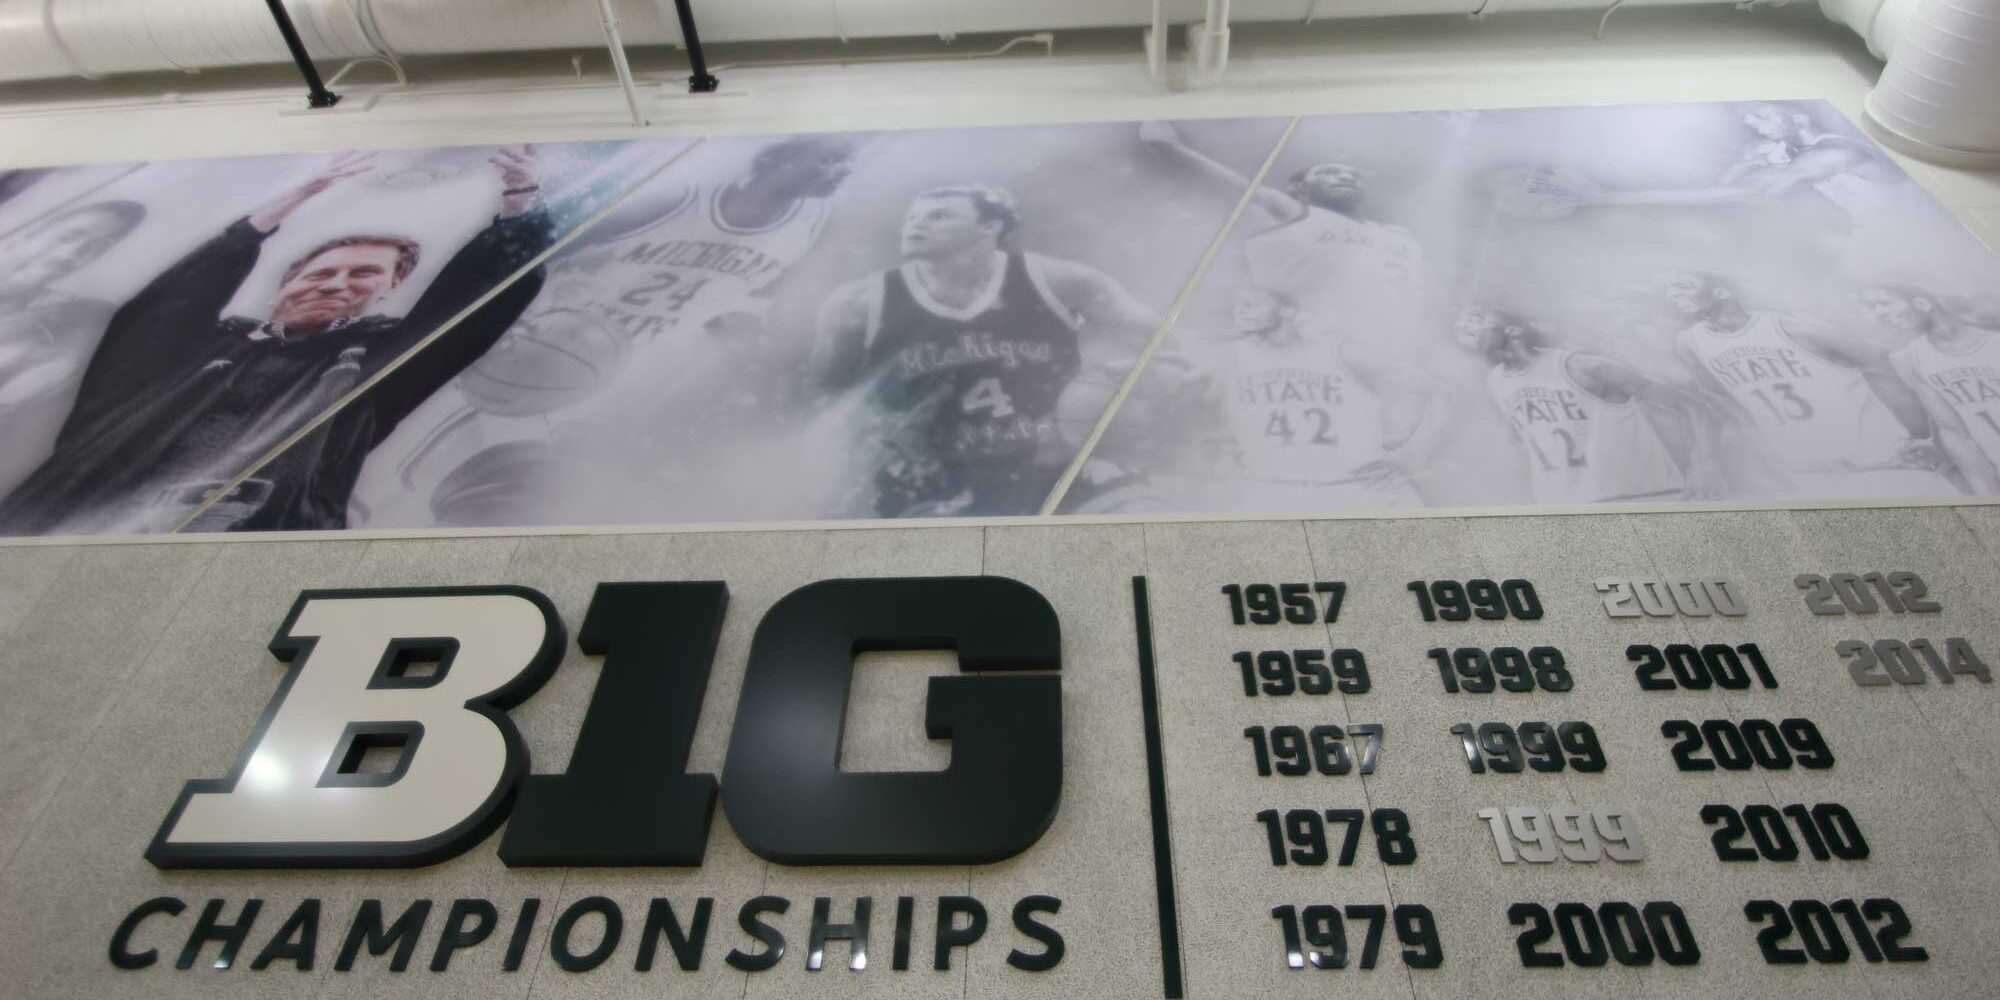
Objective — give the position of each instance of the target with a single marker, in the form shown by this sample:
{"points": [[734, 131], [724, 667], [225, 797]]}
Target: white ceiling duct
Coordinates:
{"points": [[1879, 22], [40, 39], [27, 49], [1939, 97]]}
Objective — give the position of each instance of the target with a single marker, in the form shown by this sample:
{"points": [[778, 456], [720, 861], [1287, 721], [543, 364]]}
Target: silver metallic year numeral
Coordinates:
{"points": [[1866, 593], [1540, 836], [1887, 661], [1628, 597]]}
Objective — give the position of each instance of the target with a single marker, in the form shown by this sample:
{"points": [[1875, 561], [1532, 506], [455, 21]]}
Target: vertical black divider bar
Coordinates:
{"points": [[701, 81], [1156, 787], [319, 96]]}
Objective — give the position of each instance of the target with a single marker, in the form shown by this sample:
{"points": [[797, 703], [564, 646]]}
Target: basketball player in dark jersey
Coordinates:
{"points": [[970, 354]]}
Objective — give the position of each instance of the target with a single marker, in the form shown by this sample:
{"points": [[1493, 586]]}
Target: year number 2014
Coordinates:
{"points": [[1887, 661]]}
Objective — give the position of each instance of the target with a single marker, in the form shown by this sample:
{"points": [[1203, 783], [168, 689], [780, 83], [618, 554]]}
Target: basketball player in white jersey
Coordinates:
{"points": [[1954, 367], [1893, 231], [682, 257], [655, 294], [1314, 428], [1361, 280], [1595, 430], [1795, 154], [971, 352], [1834, 420]]}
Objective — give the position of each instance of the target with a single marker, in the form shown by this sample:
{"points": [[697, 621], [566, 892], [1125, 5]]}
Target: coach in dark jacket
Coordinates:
{"points": [[178, 400]]}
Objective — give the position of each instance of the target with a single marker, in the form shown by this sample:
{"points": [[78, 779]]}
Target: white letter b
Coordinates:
{"points": [[299, 796]]}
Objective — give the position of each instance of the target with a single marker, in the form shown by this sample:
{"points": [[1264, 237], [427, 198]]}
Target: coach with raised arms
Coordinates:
{"points": [[179, 400]]}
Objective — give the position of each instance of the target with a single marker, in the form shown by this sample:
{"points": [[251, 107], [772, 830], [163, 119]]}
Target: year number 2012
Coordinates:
{"points": [[1847, 593]]}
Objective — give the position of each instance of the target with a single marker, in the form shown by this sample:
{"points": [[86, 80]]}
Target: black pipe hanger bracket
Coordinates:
{"points": [[318, 96], [701, 81]]}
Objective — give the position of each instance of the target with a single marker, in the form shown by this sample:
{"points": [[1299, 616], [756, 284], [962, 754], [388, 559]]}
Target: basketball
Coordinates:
{"points": [[408, 170], [505, 484], [548, 361], [1084, 400], [1537, 192]]}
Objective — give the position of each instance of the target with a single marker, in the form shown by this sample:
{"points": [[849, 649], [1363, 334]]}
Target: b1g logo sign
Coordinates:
{"points": [[431, 673]]}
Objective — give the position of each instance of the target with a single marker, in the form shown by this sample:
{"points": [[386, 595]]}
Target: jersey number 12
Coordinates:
{"points": [[1572, 456]]}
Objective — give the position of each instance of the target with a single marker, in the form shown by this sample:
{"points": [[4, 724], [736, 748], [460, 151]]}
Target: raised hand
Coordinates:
{"points": [[1378, 474], [1922, 453], [1158, 134], [520, 170], [341, 167], [1706, 479]]}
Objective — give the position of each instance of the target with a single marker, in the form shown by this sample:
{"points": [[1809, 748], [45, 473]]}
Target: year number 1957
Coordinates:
{"points": [[1293, 603]]}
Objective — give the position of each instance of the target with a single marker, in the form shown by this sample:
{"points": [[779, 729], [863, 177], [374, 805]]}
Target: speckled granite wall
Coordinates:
{"points": [[126, 670]]}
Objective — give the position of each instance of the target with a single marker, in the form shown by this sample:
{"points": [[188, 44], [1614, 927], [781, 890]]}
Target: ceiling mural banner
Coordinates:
{"points": [[785, 328], [1744, 303], [1725, 302]]}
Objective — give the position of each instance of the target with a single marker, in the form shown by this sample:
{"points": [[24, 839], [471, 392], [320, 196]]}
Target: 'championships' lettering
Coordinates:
{"points": [[958, 922]]}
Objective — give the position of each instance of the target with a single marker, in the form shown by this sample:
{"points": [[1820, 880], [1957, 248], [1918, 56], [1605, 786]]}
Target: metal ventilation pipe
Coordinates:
{"points": [[1939, 96], [1880, 23], [1210, 42]]}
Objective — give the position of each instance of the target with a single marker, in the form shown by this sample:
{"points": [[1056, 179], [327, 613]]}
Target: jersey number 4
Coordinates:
{"points": [[987, 395]]}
